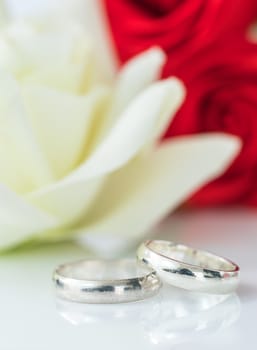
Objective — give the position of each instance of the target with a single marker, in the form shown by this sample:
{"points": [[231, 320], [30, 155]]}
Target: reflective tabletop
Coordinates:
{"points": [[33, 318]]}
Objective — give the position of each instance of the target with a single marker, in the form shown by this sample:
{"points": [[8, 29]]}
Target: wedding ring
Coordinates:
{"points": [[99, 281], [189, 268]]}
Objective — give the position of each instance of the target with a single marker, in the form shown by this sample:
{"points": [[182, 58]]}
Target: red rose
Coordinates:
{"points": [[222, 96], [206, 47], [180, 27]]}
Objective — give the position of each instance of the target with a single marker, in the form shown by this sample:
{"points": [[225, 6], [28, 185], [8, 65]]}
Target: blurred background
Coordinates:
{"points": [[211, 46]]}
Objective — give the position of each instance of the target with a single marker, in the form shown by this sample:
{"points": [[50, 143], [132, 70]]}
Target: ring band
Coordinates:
{"points": [[189, 268], [98, 281]]}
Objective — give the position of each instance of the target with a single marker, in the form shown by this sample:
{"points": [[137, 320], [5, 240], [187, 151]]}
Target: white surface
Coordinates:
{"points": [[31, 318]]}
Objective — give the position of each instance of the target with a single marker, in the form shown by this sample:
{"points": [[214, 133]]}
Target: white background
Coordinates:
{"points": [[31, 317]]}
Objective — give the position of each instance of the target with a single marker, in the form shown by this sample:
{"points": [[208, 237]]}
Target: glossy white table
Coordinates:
{"points": [[32, 319]]}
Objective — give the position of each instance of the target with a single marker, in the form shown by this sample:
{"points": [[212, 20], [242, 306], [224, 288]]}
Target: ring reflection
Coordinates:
{"points": [[171, 317]]}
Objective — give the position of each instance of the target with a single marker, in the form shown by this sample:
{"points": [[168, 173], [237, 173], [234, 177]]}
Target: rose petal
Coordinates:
{"points": [[136, 75], [19, 220], [68, 202], [28, 8], [93, 16], [132, 131], [140, 194], [177, 95], [34, 48], [26, 49], [23, 166], [125, 140], [70, 78], [62, 123], [90, 14]]}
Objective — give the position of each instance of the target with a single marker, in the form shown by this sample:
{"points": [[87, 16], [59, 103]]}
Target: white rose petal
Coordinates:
{"points": [[22, 164], [69, 201], [136, 75], [128, 136], [19, 220], [138, 195], [62, 123]]}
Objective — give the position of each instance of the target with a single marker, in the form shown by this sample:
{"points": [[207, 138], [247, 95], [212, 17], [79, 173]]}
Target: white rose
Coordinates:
{"points": [[80, 155]]}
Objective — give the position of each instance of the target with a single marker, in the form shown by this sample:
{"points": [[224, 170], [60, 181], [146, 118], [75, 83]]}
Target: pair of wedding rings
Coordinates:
{"points": [[98, 281]]}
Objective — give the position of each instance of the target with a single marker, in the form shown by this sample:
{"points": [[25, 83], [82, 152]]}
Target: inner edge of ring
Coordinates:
{"points": [[236, 267], [118, 281]]}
